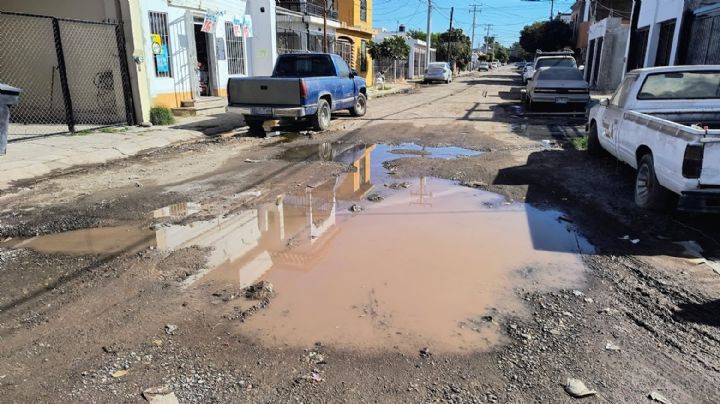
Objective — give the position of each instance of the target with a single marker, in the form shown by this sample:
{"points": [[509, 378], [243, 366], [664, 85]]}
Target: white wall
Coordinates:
{"points": [[652, 14], [262, 48]]}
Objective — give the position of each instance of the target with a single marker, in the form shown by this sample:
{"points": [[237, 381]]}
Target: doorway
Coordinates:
{"points": [[204, 67]]}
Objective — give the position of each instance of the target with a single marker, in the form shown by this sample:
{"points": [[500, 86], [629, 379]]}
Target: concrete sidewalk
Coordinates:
{"points": [[36, 157], [390, 89]]}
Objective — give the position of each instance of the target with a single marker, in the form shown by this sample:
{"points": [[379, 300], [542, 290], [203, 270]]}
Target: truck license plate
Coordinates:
{"points": [[562, 100], [262, 111]]}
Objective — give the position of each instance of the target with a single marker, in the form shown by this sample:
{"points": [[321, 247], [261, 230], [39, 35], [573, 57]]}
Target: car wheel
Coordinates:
{"points": [[321, 119], [360, 106], [593, 145], [447, 81], [649, 194]]}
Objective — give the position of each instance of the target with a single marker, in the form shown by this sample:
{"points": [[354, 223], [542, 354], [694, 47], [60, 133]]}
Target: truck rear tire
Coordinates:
{"points": [[593, 145], [254, 124], [321, 119], [360, 106], [649, 194]]}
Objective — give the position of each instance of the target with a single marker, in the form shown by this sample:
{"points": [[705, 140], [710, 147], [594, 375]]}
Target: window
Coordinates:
{"points": [[681, 86], [621, 94], [296, 65], [555, 62], [343, 69], [235, 50], [363, 56], [665, 41], [565, 74], [161, 57], [344, 48], [363, 10]]}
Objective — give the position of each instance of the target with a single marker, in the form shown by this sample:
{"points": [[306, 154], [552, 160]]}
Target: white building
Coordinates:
{"points": [[606, 50], [418, 52]]}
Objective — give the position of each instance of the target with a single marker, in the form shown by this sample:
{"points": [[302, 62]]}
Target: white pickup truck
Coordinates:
{"points": [[665, 122]]}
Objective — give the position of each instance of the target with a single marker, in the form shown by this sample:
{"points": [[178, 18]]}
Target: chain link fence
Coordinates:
{"points": [[392, 70], [73, 74]]}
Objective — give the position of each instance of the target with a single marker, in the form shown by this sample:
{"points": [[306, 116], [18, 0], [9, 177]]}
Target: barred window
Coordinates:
{"points": [[363, 10], [344, 48], [161, 56], [363, 56], [235, 50]]}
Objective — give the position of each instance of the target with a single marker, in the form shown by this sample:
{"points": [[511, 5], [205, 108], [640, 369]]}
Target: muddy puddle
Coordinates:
{"points": [[349, 153], [430, 264]]}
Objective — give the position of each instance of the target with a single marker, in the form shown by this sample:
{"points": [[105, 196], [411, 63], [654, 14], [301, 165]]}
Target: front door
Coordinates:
{"points": [[346, 98], [203, 67]]}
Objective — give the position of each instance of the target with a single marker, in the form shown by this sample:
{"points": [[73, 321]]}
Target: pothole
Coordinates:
{"points": [[429, 263]]}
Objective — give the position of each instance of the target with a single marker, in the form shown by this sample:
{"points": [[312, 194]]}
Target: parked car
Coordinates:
{"points": [[310, 85], [484, 67], [665, 123], [558, 86], [438, 71], [548, 59], [495, 65]]}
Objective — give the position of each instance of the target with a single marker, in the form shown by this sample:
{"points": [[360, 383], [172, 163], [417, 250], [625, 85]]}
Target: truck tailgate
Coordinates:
{"points": [[710, 174], [264, 91]]}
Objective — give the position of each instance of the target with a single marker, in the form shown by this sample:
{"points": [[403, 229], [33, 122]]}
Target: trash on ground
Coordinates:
{"points": [[375, 197], [253, 161], [119, 373], [576, 388]]}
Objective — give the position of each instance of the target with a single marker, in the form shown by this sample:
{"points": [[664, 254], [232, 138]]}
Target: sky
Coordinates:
{"points": [[507, 17]]}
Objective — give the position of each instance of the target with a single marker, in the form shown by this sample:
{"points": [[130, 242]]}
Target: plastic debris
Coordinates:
{"points": [[576, 388]]}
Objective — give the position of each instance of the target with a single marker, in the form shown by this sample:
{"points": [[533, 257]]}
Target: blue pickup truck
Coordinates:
{"points": [[308, 85]]}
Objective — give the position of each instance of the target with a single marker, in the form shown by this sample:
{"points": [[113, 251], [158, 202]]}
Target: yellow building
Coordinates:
{"points": [[354, 35]]}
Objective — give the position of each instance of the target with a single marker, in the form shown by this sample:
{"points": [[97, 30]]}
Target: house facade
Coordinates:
{"points": [[419, 52], [607, 41], [175, 52], [354, 35], [674, 32]]}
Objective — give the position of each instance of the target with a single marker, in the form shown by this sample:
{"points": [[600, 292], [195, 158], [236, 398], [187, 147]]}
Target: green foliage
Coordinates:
{"points": [[517, 53], [161, 116], [421, 35], [500, 53], [546, 36], [455, 46], [579, 143], [392, 47]]}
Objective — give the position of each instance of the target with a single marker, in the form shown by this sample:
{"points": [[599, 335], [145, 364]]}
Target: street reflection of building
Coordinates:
{"points": [[356, 184]]}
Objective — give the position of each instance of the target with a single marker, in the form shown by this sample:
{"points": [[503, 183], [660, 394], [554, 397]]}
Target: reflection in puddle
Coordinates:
{"points": [[347, 152], [177, 210], [421, 268]]}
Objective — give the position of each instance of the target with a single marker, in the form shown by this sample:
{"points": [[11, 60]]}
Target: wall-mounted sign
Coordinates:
{"points": [[247, 26], [156, 42], [237, 26], [162, 60], [209, 22]]}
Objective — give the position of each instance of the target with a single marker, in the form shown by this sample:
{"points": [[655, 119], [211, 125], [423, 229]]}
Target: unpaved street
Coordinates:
{"points": [[447, 247]]}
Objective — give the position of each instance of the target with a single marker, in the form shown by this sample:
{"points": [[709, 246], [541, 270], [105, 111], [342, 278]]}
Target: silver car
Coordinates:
{"points": [[558, 86], [438, 71]]}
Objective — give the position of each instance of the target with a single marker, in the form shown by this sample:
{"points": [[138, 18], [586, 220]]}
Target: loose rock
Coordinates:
{"points": [[260, 290], [655, 396], [375, 197], [576, 388], [170, 329]]}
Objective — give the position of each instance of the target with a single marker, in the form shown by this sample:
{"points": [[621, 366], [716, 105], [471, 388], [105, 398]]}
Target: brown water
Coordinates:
{"points": [[420, 268]]}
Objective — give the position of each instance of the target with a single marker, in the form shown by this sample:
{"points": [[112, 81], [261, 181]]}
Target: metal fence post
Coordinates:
{"points": [[69, 115], [125, 71]]}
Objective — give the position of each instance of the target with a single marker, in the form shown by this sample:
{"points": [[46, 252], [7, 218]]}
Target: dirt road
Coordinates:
{"points": [[446, 247]]}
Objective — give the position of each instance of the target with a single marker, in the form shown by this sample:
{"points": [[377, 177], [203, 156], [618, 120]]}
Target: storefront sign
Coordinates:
{"points": [[209, 22], [237, 26]]}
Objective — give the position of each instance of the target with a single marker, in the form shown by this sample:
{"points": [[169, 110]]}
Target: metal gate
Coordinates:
{"points": [[74, 74]]}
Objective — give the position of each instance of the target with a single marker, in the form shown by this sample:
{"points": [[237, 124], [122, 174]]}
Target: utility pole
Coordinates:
{"points": [[474, 9], [429, 36], [325, 12], [450, 37], [487, 42]]}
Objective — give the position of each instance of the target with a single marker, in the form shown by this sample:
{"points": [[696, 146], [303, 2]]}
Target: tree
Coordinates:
{"points": [[546, 36], [392, 47], [421, 35], [501, 53], [454, 46], [517, 53]]}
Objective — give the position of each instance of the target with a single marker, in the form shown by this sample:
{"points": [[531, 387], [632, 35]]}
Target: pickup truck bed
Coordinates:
{"points": [[665, 123], [302, 86]]}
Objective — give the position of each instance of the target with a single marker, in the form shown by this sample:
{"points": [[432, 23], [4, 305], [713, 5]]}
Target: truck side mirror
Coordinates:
{"points": [[605, 102], [353, 73], [581, 68]]}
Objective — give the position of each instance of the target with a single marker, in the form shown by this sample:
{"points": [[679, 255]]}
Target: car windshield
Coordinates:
{"points": [[437, 65], [681, 85], [555, 62], [304, 66], [560, 74]]}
